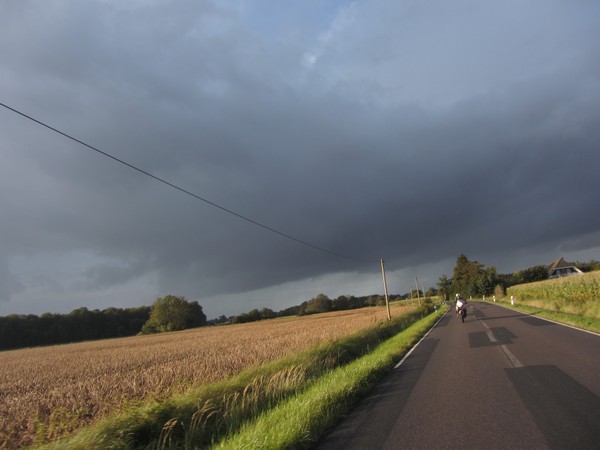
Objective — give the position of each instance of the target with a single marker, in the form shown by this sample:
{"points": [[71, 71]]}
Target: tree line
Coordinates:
{"points": [[169, 313], [319, 304], [474, 279], [18, 331]]}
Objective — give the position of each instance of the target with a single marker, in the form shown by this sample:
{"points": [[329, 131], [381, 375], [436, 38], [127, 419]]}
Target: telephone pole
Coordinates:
{"points": [[387, 302]]}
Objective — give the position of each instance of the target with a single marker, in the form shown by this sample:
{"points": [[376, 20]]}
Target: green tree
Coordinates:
{"points": [[171, 313], [485, 281], [588, 266], [445, 287], [461, 277], [416, 293], [254, 315], [531, 274], [267, 313], [320, 303], [431, 292], [471, 278]]}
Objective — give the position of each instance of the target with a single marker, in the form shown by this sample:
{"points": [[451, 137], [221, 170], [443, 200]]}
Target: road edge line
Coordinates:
{"points": [[421, 340], [543, 318]]}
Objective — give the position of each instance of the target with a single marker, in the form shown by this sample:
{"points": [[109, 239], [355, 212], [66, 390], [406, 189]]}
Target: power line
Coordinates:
{"points": [[185, 191]]}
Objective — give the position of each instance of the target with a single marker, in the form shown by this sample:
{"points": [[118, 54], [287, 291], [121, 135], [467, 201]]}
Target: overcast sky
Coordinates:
{"points": [[405, 130]]}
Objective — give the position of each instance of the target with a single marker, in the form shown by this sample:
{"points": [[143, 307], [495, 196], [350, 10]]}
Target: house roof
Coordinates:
{"points": [[559, 264]]}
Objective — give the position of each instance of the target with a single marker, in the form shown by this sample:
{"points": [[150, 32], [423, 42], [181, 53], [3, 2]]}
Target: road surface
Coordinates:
{"points": [[500, 380]]}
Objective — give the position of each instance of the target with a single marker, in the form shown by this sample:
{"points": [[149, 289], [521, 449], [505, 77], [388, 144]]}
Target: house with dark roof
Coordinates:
{"points": [[562, 268]]}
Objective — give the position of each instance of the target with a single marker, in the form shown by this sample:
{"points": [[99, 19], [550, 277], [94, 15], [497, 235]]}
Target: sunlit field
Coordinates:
{"points": [[577, 294], [53, 390]]}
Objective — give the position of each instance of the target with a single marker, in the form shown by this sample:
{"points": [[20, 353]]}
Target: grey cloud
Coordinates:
{"points": [[421, 132], [9, 283]]}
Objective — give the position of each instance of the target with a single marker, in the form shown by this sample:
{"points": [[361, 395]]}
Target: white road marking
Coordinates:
{"points": [[488, 331], [511, 358]]}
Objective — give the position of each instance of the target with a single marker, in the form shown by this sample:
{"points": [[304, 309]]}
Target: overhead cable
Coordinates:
{"points": [[185, 191]]}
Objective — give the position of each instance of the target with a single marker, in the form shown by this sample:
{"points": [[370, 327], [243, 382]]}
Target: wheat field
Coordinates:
{"points": [[56, 390]]}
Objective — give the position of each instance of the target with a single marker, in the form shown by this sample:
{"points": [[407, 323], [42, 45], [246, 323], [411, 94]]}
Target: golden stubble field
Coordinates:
{"points": [[48, 387]]}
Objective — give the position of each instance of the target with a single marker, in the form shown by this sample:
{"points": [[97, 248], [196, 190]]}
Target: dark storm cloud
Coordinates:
{"points": [[392, 129]]}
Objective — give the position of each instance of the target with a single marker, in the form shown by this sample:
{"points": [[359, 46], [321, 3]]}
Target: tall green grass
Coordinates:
{"points": [[203, 416], [300, 421]]}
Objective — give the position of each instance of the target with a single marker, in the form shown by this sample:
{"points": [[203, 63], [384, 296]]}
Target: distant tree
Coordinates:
{"points": [[414, 293], [588, 266], [320, 303], [374, 300], [220, 320], [340, 303], [355, 302], [485, 281], [254, 315], [471, 278], [171, 313], [536, 273], [291, 311], [530, 275], [462, 277], [267, 313], [431, 292], [241, 318], [18, 331]]}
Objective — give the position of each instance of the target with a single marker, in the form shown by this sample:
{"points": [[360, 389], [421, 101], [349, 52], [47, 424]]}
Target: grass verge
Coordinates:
{"points": [[302, 419], [203, 416], [575, 320]]}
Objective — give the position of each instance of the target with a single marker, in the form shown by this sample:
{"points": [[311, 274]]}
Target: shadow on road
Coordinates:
{"points": [[534, 321], [376, 414], [444, 321], [481, 339], [565, 411], [512, 316]]}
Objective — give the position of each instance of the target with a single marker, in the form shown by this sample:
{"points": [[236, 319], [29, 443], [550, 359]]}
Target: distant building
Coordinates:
{"points": [[562, 268]]}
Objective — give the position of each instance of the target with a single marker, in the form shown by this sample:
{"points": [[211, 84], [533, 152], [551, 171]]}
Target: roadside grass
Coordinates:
{"points": [[589, 323], [576, 295], [302, 419], [203, 416]]}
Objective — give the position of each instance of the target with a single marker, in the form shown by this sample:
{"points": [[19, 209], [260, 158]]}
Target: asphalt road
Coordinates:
{"points": [[500, 380]]}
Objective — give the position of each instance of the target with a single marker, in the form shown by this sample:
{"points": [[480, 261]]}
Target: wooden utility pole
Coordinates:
{"points": [[418, 296], [387, 302]]}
